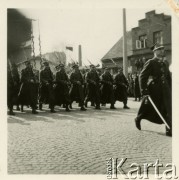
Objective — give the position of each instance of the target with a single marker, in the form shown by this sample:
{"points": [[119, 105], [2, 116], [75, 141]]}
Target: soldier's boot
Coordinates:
{"points": [[64, 106], [86, 103], [67, 108], [112, 106], [70, 106], [18, 108], [92, 104], [125, 105], [137, 123], [34, 111], [40, 106], [11, 112], [22, 108], [52, 109], [83, 108], [97, 106]]}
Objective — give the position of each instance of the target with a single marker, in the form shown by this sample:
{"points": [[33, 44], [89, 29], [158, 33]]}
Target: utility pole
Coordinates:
{"points": [[79, 55], [125, 70]]}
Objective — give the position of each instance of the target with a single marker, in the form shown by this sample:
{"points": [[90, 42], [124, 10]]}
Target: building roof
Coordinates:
{"points": [[117, 50]]}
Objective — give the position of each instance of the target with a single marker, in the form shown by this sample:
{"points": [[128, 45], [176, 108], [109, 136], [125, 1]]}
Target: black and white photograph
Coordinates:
{"points": [[89, 89]]}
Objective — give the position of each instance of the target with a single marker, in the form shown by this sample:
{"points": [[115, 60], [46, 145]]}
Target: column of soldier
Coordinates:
{"points": [[63, 89], [155, 85]]}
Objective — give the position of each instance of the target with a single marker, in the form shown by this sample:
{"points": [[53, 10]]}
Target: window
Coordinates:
{"points": [[142, 42], [158, 37]]}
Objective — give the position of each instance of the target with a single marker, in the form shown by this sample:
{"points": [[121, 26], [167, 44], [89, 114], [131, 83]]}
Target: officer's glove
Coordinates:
{"points": [[145, 92]]}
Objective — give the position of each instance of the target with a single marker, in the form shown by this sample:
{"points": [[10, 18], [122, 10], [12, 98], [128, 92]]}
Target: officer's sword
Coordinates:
{"points": [[150, 99]]}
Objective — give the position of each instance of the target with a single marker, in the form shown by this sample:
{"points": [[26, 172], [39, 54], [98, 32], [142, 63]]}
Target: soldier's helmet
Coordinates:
{"points": [[46, 63], [57, 67], [92, 66], [27, 63], [75, 66], [61, 65]]}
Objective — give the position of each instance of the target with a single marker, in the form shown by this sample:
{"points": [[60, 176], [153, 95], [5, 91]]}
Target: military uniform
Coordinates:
{"points": [[106, 91], [77, 91], [62, 95], [13, 86], [93, 89], [120, 89], [28, 89], [46, 94], [159, 89]]}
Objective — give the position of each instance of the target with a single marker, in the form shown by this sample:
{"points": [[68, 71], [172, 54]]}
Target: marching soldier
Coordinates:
{"points": [[62, 95], [93, 93], [107, 93], [46, 94], [159, 90], [28, 88], [77, 92], [120, 90], [13, 87]]}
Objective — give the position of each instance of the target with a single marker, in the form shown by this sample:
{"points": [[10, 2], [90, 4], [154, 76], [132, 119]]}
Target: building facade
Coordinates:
{"points": [[155, 28], [18, 36]]}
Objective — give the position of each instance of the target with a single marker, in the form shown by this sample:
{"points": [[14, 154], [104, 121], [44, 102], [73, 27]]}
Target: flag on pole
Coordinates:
{"points": [[69, 48]]}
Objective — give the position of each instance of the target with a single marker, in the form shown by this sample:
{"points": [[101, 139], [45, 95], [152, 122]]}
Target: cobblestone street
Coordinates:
{"points": [[80, 142]]}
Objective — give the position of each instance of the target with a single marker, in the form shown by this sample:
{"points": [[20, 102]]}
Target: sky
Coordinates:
{"points": [[95, 29]]}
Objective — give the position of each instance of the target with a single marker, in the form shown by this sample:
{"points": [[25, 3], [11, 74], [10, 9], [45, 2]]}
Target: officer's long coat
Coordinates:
{"points": [[159, 88]]}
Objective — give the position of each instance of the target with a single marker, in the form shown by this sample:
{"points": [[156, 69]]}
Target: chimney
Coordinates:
{"points": [[79, 55]]}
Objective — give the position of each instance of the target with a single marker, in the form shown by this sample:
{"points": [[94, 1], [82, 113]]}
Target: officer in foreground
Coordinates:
{"points": [[159, 90]]}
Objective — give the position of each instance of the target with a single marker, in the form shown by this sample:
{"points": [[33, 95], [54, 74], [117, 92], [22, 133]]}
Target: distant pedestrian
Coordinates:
{"points": [[137, 93]]}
